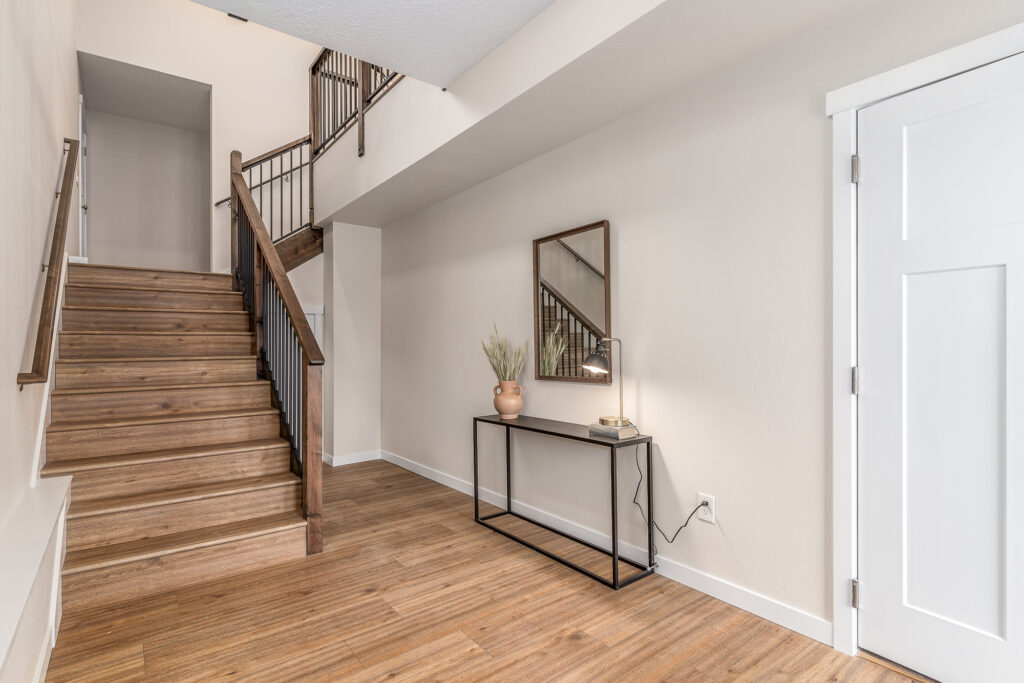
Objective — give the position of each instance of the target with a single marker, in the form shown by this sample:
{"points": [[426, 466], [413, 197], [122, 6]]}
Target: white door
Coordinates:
{"points": [[941, 353]]}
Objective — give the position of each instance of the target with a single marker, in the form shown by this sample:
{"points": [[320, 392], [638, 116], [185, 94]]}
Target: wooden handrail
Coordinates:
{"points": [[274, 152], [269, 253], [579, 257], [577, 313], [307, 440], [40, 372]]}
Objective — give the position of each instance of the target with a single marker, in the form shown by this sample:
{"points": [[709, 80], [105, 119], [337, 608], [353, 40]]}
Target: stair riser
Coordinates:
{"points": [[92, 275], [130, 480], [128, 298], [119, 404], [89, 443], [74, 345], [133, 580], [154, 372], [73, 320], [160, 520]]}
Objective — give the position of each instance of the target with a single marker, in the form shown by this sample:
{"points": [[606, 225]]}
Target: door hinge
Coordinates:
{"points": [[855, 593], [855, 380], [855, 168]]}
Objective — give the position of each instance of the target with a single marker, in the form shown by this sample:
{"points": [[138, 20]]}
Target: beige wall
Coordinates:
{"points": [[149, 194], [38, 109], [259, 77], [720, 210], [352, 343]]}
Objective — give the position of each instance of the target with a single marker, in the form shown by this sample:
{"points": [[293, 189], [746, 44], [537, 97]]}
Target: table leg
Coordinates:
{"points": [[476, 477], [650, 505], [615, 523], [508, 468]]}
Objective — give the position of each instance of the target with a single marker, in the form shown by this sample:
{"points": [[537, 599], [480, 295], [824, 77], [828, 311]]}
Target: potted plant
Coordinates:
{"points": [[507, 362]]}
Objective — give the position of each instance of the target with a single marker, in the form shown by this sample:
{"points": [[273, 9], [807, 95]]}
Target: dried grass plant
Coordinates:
{"points": [[551, 353], [506, 360]]}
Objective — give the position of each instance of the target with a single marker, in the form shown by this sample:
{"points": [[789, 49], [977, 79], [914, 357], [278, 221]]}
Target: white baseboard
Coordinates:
{"points": [[763, 606], [350, 458], [78, 259]]}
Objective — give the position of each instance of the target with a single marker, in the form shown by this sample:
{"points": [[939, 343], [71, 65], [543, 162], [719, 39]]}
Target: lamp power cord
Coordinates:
{"points": [[636, 502]]}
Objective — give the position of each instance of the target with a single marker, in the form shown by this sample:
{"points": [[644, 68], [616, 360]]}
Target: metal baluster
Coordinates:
{"points": [[302, 195]]}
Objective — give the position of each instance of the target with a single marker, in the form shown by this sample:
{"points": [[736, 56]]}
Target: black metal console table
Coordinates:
{"points": [[575, 432]]}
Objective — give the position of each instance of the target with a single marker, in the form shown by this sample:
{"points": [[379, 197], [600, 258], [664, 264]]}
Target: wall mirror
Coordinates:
{"points": [[571, 301]]}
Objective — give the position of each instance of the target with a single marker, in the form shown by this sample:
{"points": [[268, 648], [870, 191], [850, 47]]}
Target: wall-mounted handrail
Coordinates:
{"points": [[289, 354], [40, 372], [580, 258]]}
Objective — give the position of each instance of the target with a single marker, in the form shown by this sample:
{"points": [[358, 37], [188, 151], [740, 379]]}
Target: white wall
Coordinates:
{"points": [[38, 109], [259, 77], [352, 343], [149, 194], [720, 209]]}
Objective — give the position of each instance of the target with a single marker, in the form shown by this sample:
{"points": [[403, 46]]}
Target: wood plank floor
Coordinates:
{"points": [[409, 587]]}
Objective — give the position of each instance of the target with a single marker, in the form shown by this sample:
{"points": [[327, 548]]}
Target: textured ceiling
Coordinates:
{"points": [[127, 90], [433, 40]]}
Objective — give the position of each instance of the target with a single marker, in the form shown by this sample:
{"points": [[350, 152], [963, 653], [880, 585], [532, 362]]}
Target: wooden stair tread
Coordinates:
{"points": [[159, 419], [145, 333], [140, 288], [88, 559], [151, 270], [62, 467], [102, 506], [161, 311], [157, 387], [154, 359]]}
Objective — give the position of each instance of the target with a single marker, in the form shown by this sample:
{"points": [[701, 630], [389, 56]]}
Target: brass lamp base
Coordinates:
{"points": [[613, 421]]}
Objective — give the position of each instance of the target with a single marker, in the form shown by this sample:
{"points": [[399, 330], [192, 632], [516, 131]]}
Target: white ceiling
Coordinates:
{"points": [[127, 90], [432, 40]]}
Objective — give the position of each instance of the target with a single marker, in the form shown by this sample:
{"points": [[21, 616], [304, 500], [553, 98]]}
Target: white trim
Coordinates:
{"points": [[755, 603], [842, 106], [350, 458], [78, 259], [984, 50], [844, 403], [44, 410]]}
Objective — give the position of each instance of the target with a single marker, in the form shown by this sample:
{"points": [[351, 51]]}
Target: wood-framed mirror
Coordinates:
{"points": [[572, 308]]}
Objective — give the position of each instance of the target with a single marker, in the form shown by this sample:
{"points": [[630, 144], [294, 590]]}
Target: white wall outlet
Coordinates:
{"points": [[706, 513]]}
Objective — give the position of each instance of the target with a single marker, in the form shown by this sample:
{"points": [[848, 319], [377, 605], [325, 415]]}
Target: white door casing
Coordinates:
{"points": [[941, 343]]}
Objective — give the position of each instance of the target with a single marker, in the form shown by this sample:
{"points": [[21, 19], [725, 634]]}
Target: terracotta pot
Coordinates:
{"points": [[509, 400]]}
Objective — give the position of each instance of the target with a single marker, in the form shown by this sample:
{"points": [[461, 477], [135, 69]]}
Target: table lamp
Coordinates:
{"points": [[614, 427]]}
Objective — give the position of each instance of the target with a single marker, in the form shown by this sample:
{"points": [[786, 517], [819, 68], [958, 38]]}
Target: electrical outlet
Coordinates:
{"points": [[706, 513]]}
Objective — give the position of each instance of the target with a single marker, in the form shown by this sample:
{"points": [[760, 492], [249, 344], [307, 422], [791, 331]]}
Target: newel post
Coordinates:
{"points": [[236, 167], [312, 456]]}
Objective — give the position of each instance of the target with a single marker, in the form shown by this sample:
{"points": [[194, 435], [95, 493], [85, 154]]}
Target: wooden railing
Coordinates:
{"points": [[285, 346], [40, 372], [281, 183], [341, 90]]}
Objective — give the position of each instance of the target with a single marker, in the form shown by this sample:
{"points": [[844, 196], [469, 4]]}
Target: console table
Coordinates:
{"points": [[574, 432]]}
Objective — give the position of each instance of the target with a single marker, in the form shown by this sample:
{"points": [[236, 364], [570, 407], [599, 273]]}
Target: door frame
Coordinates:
{"points": [[842, 106]]}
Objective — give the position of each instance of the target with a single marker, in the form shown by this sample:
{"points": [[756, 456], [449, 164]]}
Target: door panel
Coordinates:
{"points": [[941, 338]]}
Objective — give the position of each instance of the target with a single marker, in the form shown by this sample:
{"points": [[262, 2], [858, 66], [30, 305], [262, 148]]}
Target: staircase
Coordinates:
{"points": [[182, 469]]}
